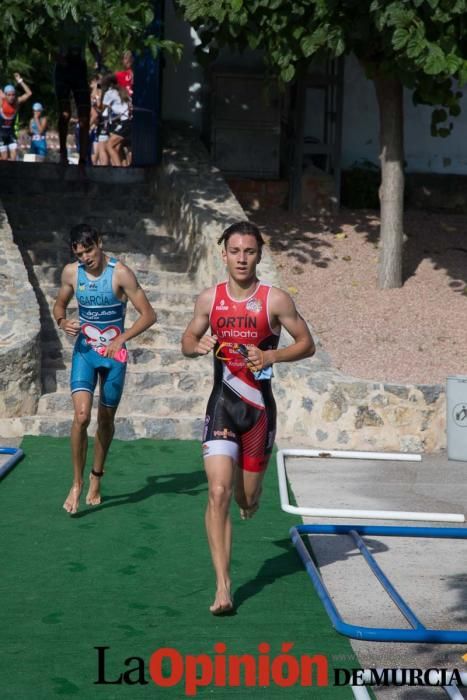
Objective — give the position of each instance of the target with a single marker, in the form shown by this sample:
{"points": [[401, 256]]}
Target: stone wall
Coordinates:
{"points": [[20, 352], [318, 406]]}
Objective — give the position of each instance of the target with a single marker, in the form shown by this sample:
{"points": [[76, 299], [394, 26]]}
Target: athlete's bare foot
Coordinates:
{"points": [[222, 603], [247, 513], [93, 497], [72, 502]]}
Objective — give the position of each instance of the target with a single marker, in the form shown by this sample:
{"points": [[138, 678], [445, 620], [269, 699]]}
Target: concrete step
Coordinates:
{"points": [[39, 247], [162, 266], [150, 404], [176, 287], [181, 427], [139, 380], [157, 337], [55, 356], [167, 317], [106, 222]]}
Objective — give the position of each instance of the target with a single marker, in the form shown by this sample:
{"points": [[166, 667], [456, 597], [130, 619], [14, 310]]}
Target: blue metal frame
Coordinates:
{"points": [[419, 633], [147, 99], [16, 454]]}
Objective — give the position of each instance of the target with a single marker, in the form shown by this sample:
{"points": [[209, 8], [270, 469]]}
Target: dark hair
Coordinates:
{"points": [[245, 228], [109, 81], [83, 234]]}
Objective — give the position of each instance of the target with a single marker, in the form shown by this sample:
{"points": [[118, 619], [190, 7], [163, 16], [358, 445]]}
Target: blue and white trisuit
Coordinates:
{"points": [[102, 318]]}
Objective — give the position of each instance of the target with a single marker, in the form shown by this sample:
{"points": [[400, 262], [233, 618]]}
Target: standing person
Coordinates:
{"points": [[9, 105], [116, 101], [125, 77], [244, 316], [102, 286], [38, 131], [70, 78]]}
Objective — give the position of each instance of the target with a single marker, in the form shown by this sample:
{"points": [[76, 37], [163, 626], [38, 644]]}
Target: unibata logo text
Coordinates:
{"points": [[167, 667]]}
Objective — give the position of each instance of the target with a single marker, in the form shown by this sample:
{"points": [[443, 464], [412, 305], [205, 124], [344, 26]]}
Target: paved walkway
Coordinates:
{"points": [[429, 574]]}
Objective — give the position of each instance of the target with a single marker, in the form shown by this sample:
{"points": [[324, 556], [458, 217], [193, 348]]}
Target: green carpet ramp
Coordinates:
{"points": [[134, 575]]}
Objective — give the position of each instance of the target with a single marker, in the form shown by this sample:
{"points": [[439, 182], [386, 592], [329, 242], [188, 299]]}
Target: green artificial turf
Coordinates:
{"points": [[134, 574]]}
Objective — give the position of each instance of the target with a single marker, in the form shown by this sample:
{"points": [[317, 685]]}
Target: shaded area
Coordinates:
{"points": [[138, 577], [310, 239], [408, 335]]}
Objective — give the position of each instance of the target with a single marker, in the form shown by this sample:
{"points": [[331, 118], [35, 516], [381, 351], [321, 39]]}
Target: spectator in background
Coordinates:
{"points": [[99, 133], [9, 105], [125, 76], [38, 132], [115, 105], [70, 78]]}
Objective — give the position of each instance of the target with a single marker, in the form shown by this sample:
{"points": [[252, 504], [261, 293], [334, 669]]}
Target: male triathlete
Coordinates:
{"points": [[245, 318], [102, 286]]}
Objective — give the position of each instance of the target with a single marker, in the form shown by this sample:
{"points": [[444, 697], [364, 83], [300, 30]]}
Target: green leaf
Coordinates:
{"points": [[453, 63], [445, 132], [454, 110], [435, 62], [288, 73], [298, 32], [308, 45], [415, 46], [400, 38]]}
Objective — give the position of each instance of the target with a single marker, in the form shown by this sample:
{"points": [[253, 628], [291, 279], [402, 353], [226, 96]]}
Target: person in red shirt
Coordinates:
{"points": [[244, 317], [125, 76]]}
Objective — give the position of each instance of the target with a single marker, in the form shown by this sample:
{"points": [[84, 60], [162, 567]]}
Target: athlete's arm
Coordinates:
{"points": [[283, 311], [128, 284], [195, 342], [65, 293], [27, 91], [42, 125]]}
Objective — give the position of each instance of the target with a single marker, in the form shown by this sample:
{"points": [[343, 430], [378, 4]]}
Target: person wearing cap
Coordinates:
{"points": [[9, 105], [38, 130]]}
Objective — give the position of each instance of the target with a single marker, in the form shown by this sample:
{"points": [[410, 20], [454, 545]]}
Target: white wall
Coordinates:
{"points": [[423, 153], [184, 92]]}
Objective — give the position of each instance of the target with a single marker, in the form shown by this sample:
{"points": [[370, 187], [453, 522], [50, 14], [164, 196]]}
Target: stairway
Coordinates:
{"points": [[165, 394]]}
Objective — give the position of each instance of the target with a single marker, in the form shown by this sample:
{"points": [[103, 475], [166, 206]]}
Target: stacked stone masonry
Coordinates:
{"points": [[165, 223], [19, 331]]}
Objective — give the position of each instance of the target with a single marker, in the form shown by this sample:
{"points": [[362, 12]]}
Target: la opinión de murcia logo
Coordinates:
{"points": [[168, 667]]}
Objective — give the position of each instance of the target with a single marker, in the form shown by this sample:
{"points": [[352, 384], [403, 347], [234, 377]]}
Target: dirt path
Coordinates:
{"points": [[416, 334]]}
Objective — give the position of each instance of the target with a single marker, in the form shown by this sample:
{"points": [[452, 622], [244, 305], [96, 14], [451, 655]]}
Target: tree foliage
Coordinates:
{"points": [[31, 26], [421, 43]]}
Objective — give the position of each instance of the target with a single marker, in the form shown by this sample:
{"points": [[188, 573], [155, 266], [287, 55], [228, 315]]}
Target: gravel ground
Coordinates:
{"points": [[415, 334]]}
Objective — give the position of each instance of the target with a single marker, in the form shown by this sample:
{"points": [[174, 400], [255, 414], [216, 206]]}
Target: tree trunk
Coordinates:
{"points": [[391, 194]]}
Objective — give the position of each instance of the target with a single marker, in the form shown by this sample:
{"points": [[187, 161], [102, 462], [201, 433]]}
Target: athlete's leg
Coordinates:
{"points": [[113, 148], [82, 402], [220, 471], [256, 446], [13, 151], [248, 487], [112, 381], [104, 434], [102, 153]]}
